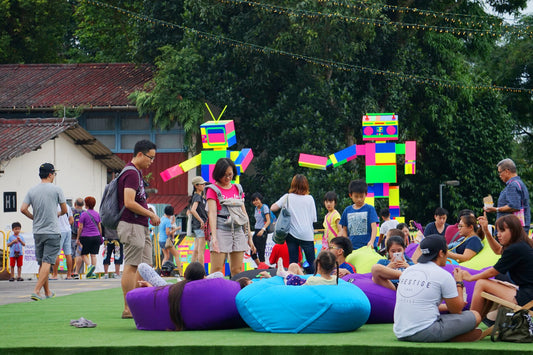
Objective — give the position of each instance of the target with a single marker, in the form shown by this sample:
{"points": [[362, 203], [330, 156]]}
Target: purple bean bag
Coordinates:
{"points": [[210, 304], [410, 249], [205, 304], [150, 309], [469, 285], [382, 300]]}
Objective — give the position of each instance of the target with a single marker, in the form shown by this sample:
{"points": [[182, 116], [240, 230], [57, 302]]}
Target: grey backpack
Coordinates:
{"points": [[110, 212]]}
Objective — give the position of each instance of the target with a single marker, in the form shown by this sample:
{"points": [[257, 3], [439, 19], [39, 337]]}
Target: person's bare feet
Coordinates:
{"points": [[472, 335], [126, 314], [281, 270]]}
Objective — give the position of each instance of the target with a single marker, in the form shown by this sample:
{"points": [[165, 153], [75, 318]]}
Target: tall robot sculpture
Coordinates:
{"points": [[217, 136], [380, 158]]}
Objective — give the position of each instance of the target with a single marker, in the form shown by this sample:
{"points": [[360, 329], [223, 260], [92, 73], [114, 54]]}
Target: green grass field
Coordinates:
{"points": [[43, 328]]}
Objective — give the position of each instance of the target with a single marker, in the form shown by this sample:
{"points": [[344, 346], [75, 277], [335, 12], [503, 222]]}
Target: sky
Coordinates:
{"points": [[527, 11]]}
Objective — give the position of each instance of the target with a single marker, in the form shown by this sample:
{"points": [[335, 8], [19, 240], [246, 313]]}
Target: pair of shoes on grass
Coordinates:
{"points": [[82, 323]]}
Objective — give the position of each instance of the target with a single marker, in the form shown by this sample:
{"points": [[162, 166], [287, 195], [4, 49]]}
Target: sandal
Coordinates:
{"points": [[11, 279], [20, 279], [36, 297]]}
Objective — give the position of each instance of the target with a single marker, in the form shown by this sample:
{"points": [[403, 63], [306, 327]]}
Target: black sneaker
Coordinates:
{"points": [[488, 322]]}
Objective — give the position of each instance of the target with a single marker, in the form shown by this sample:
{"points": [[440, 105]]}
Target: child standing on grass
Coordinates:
{"points": [[16, 243], [331, 219], [359, 221]]}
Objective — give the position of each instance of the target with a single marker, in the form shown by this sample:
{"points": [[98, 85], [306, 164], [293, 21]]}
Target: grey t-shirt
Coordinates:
{"points": [[44, 199]]}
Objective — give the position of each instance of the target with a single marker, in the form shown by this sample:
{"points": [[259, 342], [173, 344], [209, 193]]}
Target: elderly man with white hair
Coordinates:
{"points": [[514, 198]]}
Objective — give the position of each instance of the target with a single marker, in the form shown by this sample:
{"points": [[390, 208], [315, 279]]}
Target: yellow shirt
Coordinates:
{"points": [[319, 280], [333, 218]]}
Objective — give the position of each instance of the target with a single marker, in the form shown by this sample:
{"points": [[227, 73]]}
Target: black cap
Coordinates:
{"points": [[430, 247], [46, 169]]}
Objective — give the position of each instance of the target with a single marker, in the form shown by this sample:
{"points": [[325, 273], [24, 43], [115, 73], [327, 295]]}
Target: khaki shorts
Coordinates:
{"points": [[229, 241], [137, 243]]}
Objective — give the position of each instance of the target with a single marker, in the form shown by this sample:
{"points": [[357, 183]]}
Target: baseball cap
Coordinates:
{"points": [[198, 180], [430, 247], [47, 168]]}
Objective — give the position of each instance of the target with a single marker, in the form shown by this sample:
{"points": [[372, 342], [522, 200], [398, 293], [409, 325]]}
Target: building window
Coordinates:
{"points": [[107, 140], [119, 131], [134, 124], [100, 124], [168, 141], [127, 141]]}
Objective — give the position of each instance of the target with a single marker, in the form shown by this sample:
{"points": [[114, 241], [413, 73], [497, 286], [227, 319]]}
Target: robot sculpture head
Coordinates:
{"points": [[380, 127], [218, 135]]}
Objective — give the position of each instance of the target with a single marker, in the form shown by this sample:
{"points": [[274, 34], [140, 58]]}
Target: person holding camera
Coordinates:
{"points": [[16, 243]]}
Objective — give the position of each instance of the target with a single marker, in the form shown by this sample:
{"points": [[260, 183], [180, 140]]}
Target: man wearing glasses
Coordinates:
{"points": [[514, 198], [44, 199], [133, 229]]}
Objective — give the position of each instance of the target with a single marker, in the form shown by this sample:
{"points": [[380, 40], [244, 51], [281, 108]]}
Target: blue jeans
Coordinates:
{"points": [[308, 248]]}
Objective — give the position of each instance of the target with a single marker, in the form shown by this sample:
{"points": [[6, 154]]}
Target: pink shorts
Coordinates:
{"points": [[16, 260]]}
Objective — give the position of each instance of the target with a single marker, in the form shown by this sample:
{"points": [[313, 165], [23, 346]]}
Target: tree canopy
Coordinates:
{"points": [[298, 76]]}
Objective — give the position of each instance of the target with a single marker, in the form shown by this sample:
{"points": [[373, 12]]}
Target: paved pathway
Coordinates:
{"points": [[20, 291]]}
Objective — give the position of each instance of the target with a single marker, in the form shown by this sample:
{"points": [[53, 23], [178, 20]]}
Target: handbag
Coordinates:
{"points": [[96, 224], [189, 225], [282, 225], [512, 326], [169, 243], [272, 226]]}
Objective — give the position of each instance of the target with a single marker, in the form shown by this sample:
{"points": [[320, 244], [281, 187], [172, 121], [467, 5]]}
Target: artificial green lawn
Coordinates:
{"points": [[43, 327]]}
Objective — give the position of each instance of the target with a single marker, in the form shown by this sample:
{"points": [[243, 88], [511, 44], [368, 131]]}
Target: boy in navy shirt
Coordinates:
{"points": [[359, 221]]}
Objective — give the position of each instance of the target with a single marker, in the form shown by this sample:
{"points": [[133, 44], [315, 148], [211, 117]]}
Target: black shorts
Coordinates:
{"points": [[90, 245]]}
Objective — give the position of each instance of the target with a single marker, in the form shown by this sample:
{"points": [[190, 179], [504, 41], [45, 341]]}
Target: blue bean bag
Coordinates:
{"points": [[273, 307]]}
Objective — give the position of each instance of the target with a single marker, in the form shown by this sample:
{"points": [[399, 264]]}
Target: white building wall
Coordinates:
{"points": [[79, 175]]}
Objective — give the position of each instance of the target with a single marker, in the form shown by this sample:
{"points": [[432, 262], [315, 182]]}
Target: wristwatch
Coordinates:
{"points": [[460, 284]]}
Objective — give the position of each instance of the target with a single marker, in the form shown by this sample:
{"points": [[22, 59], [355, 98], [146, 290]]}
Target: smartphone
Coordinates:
{"points": [[397, 256]]}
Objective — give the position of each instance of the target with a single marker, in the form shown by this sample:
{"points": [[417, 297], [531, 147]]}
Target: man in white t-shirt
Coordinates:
{"points": [[421, 289]]}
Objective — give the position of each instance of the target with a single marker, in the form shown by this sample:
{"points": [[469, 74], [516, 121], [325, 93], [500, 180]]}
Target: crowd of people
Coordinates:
{"points": [[219, 218]]}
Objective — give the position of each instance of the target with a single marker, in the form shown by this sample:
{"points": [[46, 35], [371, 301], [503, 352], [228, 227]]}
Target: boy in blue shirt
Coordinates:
{"points": [[16, 243], [359, 221]]}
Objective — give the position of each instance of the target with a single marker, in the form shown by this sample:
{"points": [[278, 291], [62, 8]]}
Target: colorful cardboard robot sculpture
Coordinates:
{"points": [[217, 136], [380, 158]]}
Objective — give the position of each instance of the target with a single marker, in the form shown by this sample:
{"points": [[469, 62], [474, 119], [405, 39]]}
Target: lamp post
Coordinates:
{"points": [[449, 183]]}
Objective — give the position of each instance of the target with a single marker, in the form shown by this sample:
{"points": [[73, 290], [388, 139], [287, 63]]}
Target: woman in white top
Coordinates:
{"points": [[302, 208]]}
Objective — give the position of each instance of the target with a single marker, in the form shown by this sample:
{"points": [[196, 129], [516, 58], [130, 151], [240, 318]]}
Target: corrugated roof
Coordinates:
{"points": [[179, 202], [21, 136], [32, 86]]}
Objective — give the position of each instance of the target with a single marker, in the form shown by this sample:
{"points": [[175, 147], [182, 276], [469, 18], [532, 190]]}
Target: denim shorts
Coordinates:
{"points": [[199, 233]]}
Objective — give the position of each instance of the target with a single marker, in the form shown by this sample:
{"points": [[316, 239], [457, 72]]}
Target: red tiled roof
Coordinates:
{"points": [[26, 86], [21, 136], [179, 202]]}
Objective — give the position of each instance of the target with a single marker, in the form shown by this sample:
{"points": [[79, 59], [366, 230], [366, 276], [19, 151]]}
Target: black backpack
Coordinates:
{"points": [[74, 226]]}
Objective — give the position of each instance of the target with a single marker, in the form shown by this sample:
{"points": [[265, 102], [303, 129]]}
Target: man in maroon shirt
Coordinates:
{"points": [[133, 226]]}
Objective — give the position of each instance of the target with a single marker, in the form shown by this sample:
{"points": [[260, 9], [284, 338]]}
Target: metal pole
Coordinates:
{"points": [[440, 193]]}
